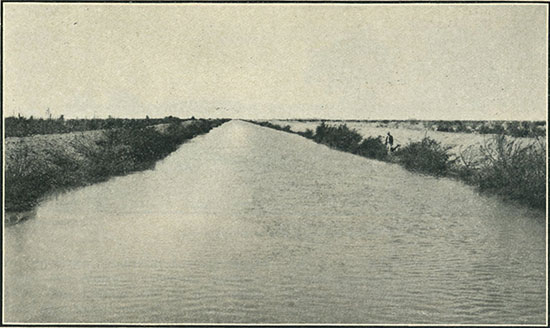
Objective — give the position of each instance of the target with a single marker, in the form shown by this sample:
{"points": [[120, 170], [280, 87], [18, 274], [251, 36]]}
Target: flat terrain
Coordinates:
{"points": [[247, 224]]}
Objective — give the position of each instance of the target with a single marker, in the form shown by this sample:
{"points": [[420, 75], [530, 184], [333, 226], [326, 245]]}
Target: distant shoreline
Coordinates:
{"points": [[504, 165], [514, 128]]}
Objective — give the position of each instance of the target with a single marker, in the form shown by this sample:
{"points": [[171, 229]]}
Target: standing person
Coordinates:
{"points": [[389, 141]]}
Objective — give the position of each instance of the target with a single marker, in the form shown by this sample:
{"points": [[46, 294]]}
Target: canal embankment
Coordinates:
{"points": [[36, 166], [511, 168]]}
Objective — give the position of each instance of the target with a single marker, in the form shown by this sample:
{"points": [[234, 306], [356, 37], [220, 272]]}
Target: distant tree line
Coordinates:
{"points": [[21, 126], [510, 128]]}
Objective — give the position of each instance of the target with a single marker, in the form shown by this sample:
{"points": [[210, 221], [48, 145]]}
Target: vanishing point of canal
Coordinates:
{"points": [[249, 224]]}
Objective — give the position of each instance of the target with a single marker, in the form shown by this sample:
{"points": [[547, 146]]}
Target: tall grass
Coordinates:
{"points": [[32, 173], [509, 168]]}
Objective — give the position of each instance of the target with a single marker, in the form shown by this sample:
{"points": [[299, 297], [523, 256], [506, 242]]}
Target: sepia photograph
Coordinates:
{"points": [[274, 163]]}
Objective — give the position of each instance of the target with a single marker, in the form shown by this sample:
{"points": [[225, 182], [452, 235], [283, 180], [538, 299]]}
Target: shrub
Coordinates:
{"points": [[308, 133], [494, 129], [427, 156], [373, 148], [340, 137], [273, 126]]}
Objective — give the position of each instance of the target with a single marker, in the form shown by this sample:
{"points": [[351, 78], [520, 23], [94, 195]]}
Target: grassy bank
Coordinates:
{"points": [[35, 169], [513, 170]]}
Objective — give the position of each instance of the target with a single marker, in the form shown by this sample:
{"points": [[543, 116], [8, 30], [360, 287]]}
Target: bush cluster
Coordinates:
{"points": [[426, 156], [518, 129], [340, 137], [453, 126], [272, 125], [372, 147]]}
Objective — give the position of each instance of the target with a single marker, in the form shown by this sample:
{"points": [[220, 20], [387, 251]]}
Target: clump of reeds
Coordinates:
{"points": [[509, 168]]}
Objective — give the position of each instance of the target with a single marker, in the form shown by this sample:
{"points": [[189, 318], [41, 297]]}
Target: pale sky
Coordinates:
{"points": [[365, 61]]}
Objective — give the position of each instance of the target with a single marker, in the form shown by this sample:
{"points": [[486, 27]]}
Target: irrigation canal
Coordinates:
{"points": [[249, 224]]}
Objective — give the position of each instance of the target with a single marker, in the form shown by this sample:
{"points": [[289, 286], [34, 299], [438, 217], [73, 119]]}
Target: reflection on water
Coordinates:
{"points": [[11, 218], [248, 224]]}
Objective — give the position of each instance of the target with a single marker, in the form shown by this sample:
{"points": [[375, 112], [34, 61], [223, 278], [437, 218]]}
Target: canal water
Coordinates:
{"points": [[249, 224]]}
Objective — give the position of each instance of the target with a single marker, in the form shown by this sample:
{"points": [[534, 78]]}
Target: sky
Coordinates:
{"points": [[368, 61]]}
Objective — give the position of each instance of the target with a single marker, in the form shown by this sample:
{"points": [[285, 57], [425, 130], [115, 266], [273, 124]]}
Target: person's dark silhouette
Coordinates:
{"points": [[389, 143], [389, 140]]}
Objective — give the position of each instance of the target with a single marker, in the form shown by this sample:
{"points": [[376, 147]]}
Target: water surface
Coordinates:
{"points": [[249, 224]]}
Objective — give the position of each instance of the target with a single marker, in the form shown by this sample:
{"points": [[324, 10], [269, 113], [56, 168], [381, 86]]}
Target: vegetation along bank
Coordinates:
{"points": [[39, 165], [518, 129], [504, 166]]}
